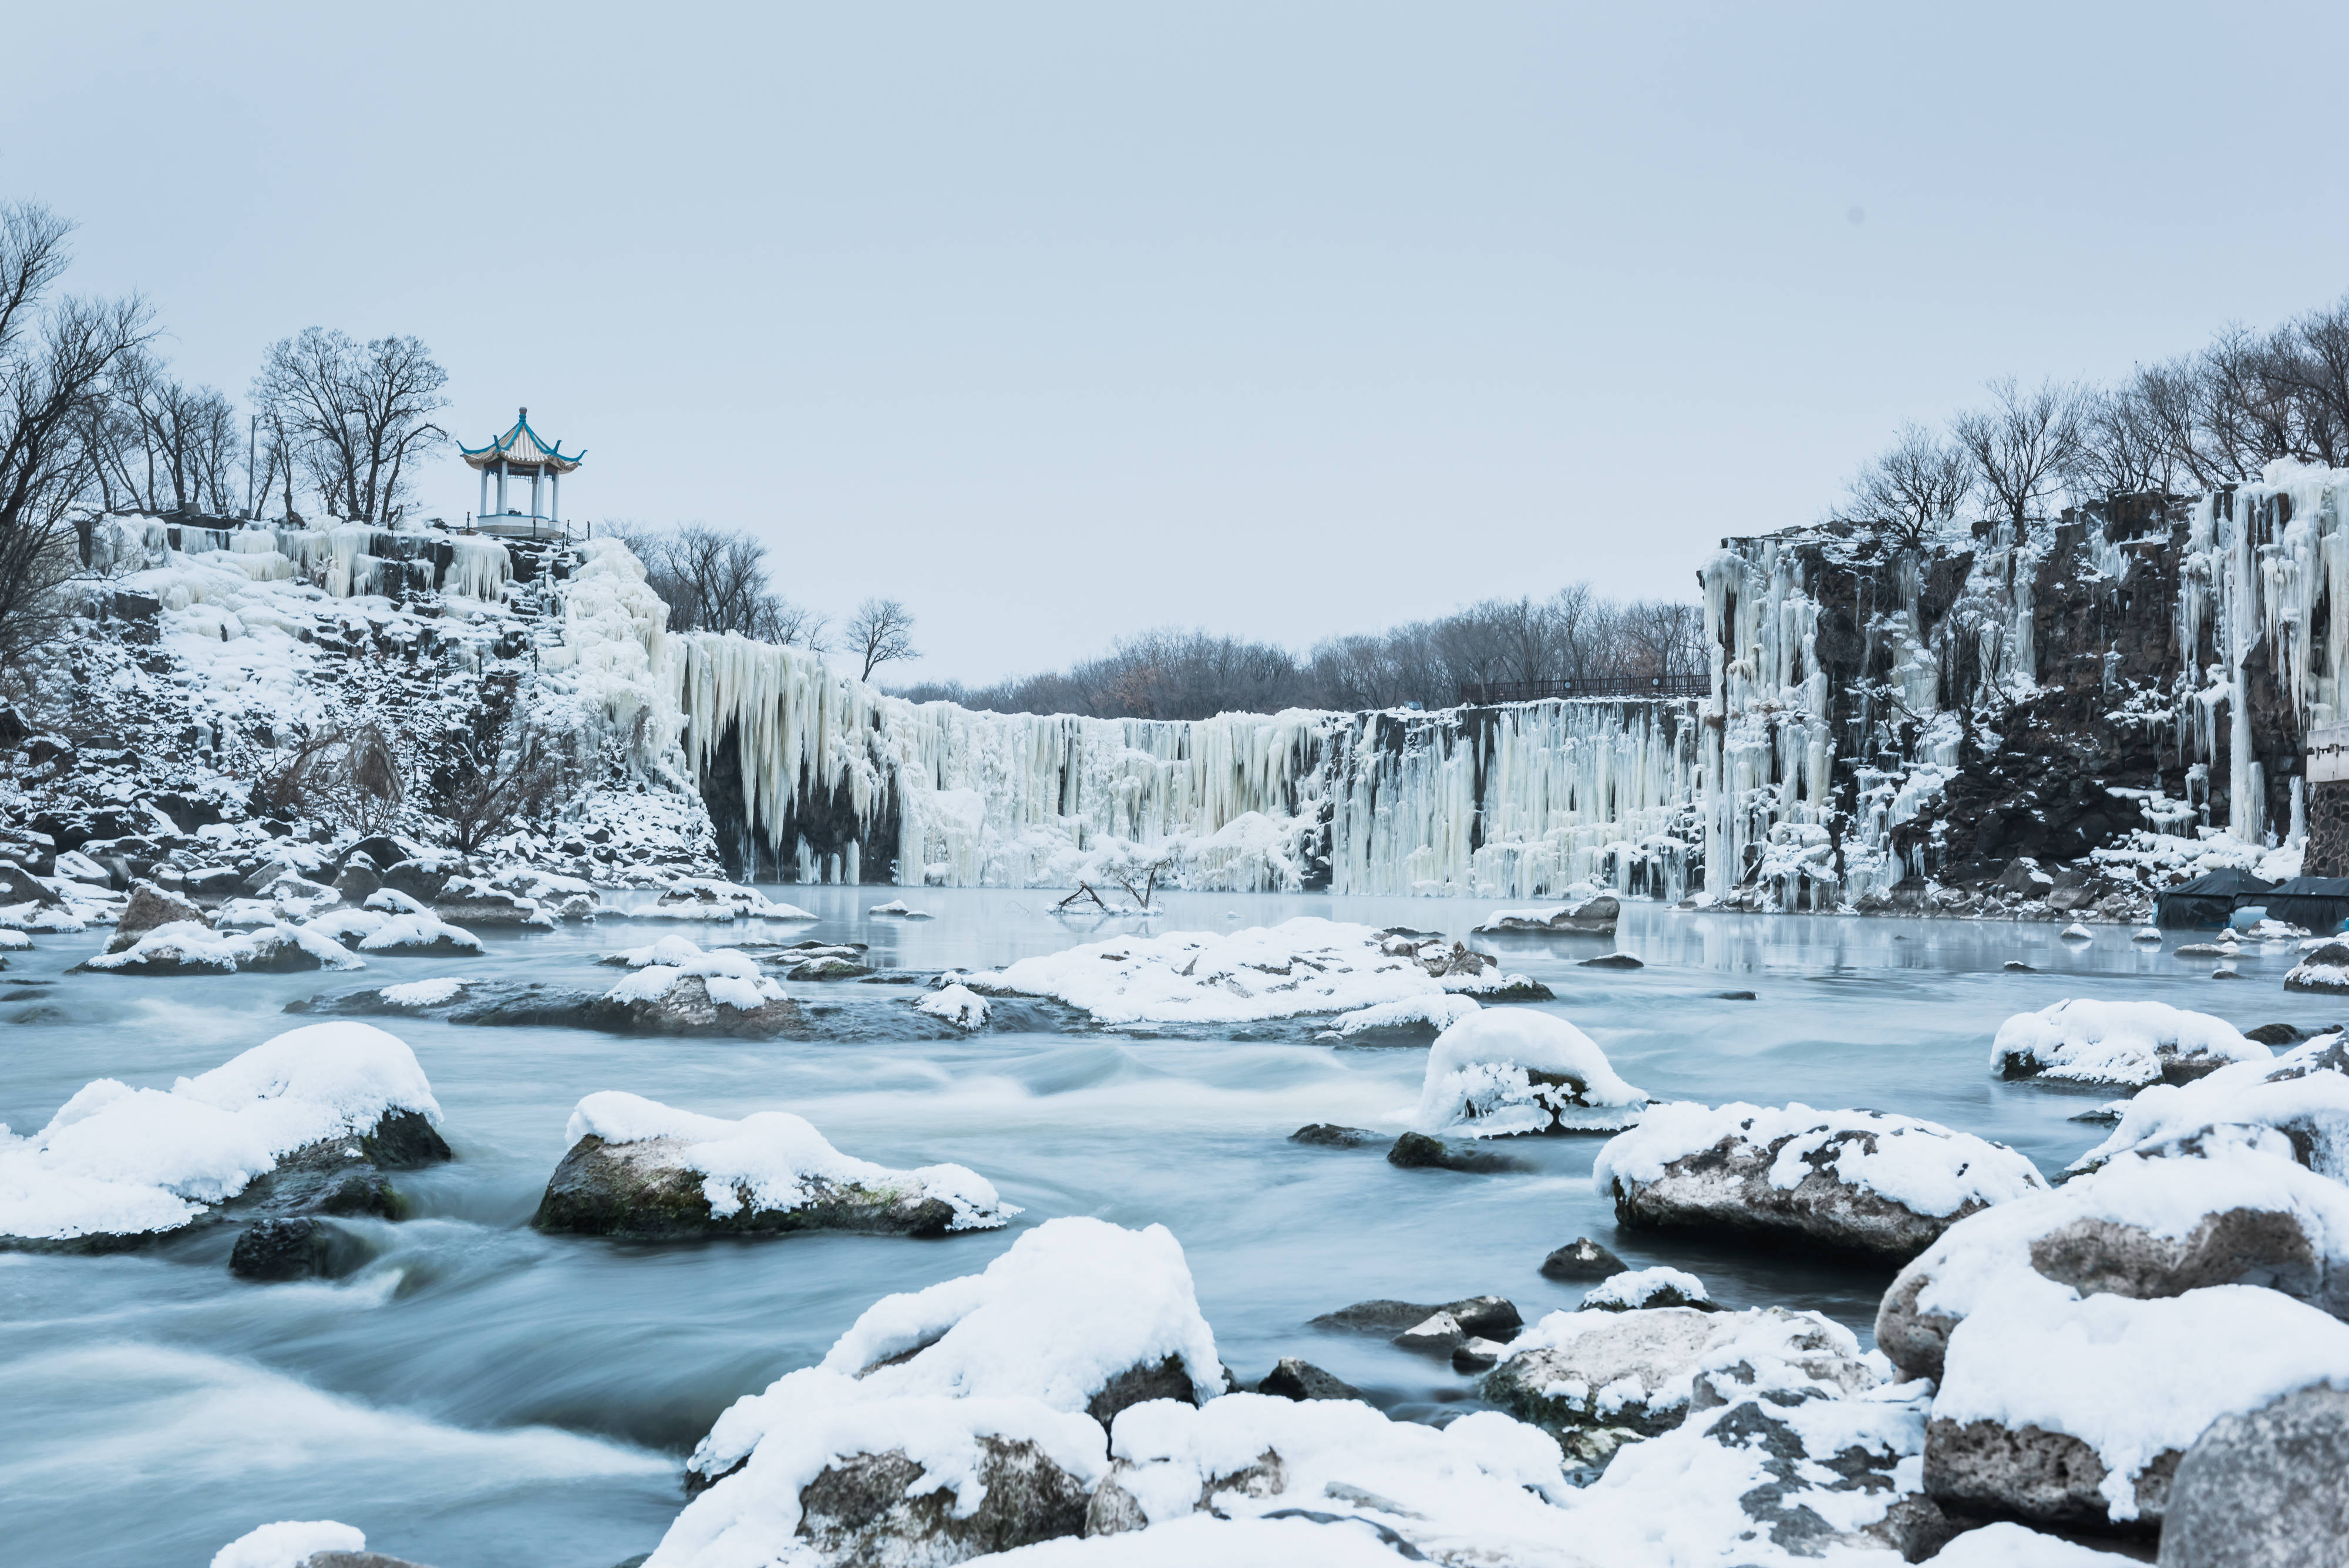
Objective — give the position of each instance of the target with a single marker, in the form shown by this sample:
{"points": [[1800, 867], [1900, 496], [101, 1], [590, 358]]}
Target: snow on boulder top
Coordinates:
{"points": [[372, 932], [1301, 966], [1513, 1070], [2082, 1041], [119, 1160], [1922, 1165], [186, 946], [1996, 1254], [1473, 1490], [1017, 1352], [288, 1544], [731, 977], [899, 908], [1434, 1010], [1638, 1288], [766, 1161], [708, 898], [2296, 1106], [2135, 1379], [956, 1004]]}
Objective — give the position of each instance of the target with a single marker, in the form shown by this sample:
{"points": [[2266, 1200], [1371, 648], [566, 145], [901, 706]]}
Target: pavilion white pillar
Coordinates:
{"points": [[533, 493], [484, 506], [502, 487], [554, 494]]}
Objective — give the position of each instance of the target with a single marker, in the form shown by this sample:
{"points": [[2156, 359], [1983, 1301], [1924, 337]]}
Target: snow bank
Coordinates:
{"points": [[2133, 1379], [2126, 1042], [2296, 1106], [1017, 1351], [1511, 1070], [1642, 1368], [956, 1004], [2009, 1546], [1437, 1011], [1302, 966], [1919, 1165], [768, 1159], [119, 1160], [395, 933], [423, 992], [289, 1544], [186, 946]]}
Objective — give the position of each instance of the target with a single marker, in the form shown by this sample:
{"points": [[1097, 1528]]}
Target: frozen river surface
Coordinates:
{"points": [[482, 1395]]}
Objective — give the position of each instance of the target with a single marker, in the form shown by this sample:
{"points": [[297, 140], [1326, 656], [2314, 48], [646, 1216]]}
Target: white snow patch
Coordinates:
{"points": [[288, 1544], [957, 1004], [2093, 1042], [1481, 1075]]}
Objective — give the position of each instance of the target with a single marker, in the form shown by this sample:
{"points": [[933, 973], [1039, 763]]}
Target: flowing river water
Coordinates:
{"points": [[481, 1395]]}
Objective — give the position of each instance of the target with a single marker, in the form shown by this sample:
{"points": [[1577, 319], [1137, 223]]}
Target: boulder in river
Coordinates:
{"points": [[1582, 1259], [2138, 1227], [640, 1169], [307, 1122], [1637, 1290], [1613, 960], [2126, 1045], [2265, 1488], [2296, 1106], [188, 947], [1487, 1317], [1417, 1151], [1293, 1379], [2075, 1412], [148, 908], [1858, 1184], [297, 1248], [1578, 1375], [1328, 1134], [1583, 910], [2324, 971], [1014, 1378], [1505, 1071]]}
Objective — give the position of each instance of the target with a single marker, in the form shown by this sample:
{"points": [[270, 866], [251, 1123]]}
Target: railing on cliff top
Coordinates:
{"points": [[1483, 695]]}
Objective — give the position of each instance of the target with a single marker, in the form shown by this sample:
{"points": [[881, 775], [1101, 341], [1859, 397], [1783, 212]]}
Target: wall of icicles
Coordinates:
{"points": [[813, 776], [1846, 678]]}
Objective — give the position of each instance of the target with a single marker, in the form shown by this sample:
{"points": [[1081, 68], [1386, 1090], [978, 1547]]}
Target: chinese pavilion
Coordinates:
{"points": [[516, 453]]}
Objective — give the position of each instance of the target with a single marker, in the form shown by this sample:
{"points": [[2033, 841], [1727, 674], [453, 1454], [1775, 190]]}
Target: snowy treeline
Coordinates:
{"points": [[1574, 635]]}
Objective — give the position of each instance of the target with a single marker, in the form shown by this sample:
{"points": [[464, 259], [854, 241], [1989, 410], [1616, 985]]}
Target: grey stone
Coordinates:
{"points": [[148, 908], [1295, 1379], [2266, 1490], [2042, 1478], [300, 1248], [1325, 1135], [1417, 1151], [1613, 960], [865, 1512], [829, 967], [1138, 1385], [1491, 1317], [17, 885], [1438, 1334]]}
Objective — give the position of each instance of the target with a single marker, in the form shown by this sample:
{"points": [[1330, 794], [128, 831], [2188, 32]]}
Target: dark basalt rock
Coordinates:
{"points": [[1328, 1134], [685, 1009], [1137, 1384], [643, 1191], [1612, 960], [2038, 1476], [1295, 1379], [295, 1249], [1417, 1151], [2275, 1034], [1582, 1259], [1485, 1318]]}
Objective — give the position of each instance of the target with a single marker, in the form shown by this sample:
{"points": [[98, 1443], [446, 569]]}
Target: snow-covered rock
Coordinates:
{"points": [[480, 902], [1499, 1071], [640, 1169], [898, 909], [418, 935], [1481, 1490], [708, 898], [288, 1544], [1635, 1289], [186, 947], [956, 1004], [719, 992], [314, 1103], [1862, 1183], [2076, 932], [2322, 971], [2127, 1044], [148, 908], [1414, 1018], [2296, 1106], [2077, 1412], [970, 1417], [2141, 1227], [1303, 966], [2268, 1487], [1583, 910], [1598, 1379]]}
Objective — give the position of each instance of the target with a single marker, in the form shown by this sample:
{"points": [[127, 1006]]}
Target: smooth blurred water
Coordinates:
{"points": [[483, 1395]]}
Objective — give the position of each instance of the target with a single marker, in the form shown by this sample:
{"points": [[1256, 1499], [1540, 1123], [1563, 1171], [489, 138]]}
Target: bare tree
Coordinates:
{"points": [[2023, 446], [499, 772], [359, 415], [1912, 490], [880, 632], [715, 579], [55, 361]]}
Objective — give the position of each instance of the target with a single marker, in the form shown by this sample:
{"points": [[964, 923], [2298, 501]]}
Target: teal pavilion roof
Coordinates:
{"points": [[522, 448]]}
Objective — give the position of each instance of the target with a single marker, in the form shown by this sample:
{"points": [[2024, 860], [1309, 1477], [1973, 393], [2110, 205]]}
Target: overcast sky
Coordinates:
{"points": [[1058, 321]]}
